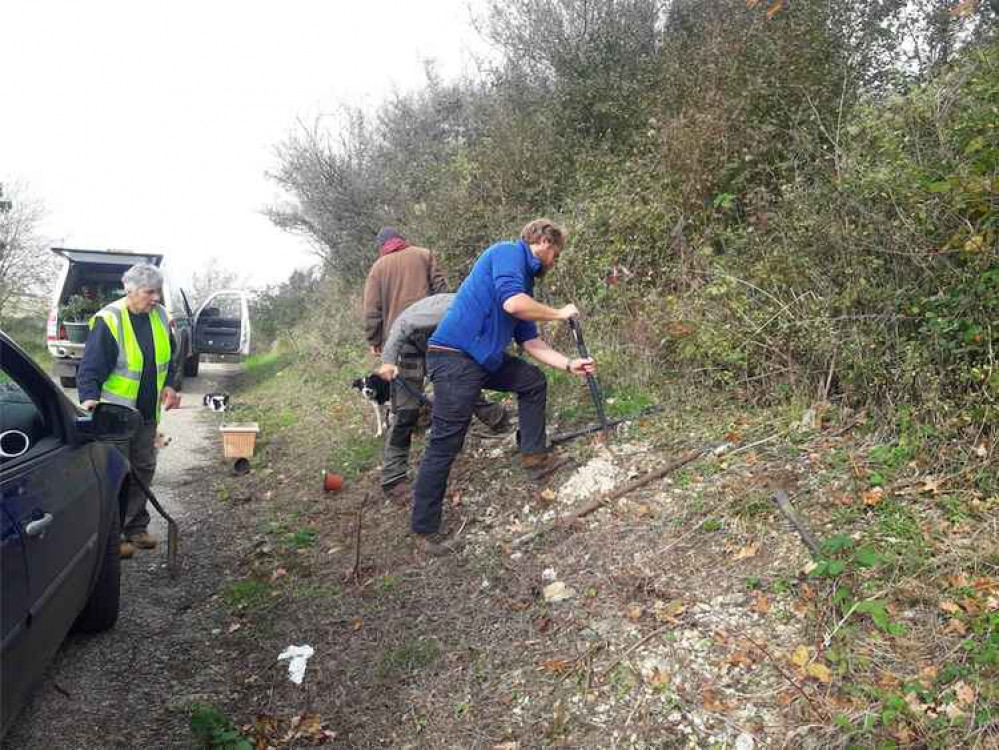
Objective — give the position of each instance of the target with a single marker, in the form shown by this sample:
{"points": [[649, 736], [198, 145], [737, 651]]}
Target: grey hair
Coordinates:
{"points": [[142, 275]]}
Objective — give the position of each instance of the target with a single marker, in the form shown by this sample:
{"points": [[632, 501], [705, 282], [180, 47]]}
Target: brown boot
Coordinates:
{"points": [[143, 540], [540, 465], [433, 545], [399, 494], [125, 550]]}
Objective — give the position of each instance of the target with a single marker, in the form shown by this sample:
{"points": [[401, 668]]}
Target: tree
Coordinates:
{"points": [[213, 277], [26, 266]]}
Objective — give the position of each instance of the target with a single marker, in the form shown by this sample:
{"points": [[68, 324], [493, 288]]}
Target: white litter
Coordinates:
{"points": [[548, 575], [299, 656]]}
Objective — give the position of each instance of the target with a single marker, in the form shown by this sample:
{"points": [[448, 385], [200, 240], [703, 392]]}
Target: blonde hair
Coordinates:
{"points": [[535, 230]]}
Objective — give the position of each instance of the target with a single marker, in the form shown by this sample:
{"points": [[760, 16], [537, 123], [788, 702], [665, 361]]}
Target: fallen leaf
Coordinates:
{"points": [[888, 681], [659, 677], [927, 675], [774, 9], [964, 693], [915, 705], [800, 656], [278, 573], [356, 623], [543, 624], [873, 496], [740, 659], [819, 671], [548, 495], [634, 612], [557, 666], [955, 627], [949, 607], [761, 603], [669, 612], [953, 712], [749, 550], [932, 485], [506, 746], [712, 700]]}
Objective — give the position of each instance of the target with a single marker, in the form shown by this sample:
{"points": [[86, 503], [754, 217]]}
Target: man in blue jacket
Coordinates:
{"points": [[468, 353]]}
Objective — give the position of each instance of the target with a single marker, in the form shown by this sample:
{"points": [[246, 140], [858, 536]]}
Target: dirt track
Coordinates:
{"points": [[128, 688]]}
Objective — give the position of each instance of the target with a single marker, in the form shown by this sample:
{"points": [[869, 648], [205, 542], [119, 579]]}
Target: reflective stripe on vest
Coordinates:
{"points": [[122, 385]]}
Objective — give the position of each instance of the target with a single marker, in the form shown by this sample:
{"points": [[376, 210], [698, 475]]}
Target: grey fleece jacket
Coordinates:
{"points": [[414, 325]]}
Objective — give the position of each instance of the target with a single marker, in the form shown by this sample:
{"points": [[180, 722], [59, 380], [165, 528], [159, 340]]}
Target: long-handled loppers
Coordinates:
{"points": [[591, 381]]}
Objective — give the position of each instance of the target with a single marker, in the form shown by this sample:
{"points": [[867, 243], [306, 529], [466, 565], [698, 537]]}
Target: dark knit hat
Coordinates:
{"points": [[385, 234]]}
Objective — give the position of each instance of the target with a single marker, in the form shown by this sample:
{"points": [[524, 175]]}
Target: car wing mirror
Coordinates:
{"points": [[110, 422]]}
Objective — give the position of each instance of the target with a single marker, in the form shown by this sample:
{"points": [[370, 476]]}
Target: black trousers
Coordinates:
{"points": [[458, 380]]}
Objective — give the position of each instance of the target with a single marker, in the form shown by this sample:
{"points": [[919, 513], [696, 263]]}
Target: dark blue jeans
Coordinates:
{"points": [[458, 380]]}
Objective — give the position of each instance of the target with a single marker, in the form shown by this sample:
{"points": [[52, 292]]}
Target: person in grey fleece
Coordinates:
{"points": [[403, 358]]}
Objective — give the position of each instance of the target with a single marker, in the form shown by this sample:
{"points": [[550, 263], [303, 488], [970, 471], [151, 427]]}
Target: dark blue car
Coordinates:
{"points": [[60, 518]]}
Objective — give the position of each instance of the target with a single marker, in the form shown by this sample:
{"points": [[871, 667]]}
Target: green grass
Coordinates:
{"points": [[213, 730], [413, 655], [246, 594]]}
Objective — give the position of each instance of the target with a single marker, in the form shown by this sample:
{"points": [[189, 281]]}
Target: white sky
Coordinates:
{"points": [[149, 126]]}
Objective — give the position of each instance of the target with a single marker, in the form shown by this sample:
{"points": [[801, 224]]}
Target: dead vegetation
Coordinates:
{"points": [[685, 612]]}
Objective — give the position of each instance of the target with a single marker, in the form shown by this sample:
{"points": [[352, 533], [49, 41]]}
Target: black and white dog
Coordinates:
{"points": [[379, 393], [216, 401]]}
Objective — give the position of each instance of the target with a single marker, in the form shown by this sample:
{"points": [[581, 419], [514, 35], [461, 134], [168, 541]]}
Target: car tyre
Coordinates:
{"points": [[101, 609], [191, 365], [67, 381]]}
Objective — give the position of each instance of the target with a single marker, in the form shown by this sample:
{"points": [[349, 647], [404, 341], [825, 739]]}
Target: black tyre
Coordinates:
{"points": [[101, 609], [191, 365], [67, 381]]}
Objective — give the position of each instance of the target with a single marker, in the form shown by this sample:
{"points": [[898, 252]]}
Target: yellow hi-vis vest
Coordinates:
{"points": [[122, 385]]}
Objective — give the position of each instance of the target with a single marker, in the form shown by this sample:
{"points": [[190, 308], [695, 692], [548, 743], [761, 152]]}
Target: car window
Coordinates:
{"points": [[24, 425]]}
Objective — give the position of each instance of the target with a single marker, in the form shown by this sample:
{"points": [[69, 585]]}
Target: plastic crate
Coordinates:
{"points": [[239, 440]]}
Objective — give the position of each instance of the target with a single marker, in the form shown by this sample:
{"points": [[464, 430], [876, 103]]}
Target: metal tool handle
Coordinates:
{"points": [[591, 381]]}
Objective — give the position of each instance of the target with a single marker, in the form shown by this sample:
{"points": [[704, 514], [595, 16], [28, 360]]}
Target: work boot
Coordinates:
{"points": [[433, 545], [142, 540], [125, 550], [540, 465], [398, 494]]}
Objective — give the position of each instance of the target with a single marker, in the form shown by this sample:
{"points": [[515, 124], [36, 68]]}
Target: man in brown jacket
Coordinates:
{"points": [[402, 275]]}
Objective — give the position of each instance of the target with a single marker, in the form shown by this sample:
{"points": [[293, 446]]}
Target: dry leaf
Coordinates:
{"points": [[955, 627], [712, 700], [800, 656], [749, 550], [761, 603], [915, 705], [356, 623], [634, 612], [964, 693], [659, 677], [953, 712], [927, 675], [819, 671], [557, 666], [506, 746], [888, 681], [669, 612], [752, 3], [932, 485], [740, 659], [548, 495], [873, 496], [949, 607], [278, 573]]}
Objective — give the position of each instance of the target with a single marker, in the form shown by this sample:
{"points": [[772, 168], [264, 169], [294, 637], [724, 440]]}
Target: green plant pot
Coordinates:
{"points": [[77, 332]]}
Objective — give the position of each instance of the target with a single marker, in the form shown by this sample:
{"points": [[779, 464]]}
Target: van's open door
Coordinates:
{"points": [[222, 324]]}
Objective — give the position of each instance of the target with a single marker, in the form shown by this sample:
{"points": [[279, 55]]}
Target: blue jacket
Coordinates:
{"points": [[477, 324]]}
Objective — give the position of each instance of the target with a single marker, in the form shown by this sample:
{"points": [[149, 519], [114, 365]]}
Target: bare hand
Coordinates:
{"points": [[170, 399], [569, 311], [582, 366], [387, 371], [90, 404]]}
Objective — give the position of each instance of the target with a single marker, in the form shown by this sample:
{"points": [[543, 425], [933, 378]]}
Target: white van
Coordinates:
{"points": [[92, 278]]}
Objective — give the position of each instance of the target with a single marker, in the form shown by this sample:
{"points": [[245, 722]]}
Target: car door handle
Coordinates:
{"points": [[37, 527]]}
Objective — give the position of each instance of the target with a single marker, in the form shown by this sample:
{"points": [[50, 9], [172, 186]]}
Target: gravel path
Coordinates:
{"points": [[130, 687]]}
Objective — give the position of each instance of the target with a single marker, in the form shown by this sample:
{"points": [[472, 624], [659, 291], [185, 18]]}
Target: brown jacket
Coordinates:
{"points": [[396, 281]]}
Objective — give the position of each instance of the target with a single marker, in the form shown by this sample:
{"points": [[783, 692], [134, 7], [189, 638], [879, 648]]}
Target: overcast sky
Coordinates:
{"points": [[150, 126]]}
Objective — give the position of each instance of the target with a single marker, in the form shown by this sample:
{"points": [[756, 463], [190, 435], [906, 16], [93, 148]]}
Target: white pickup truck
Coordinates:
{"points": [[92, 278]]}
